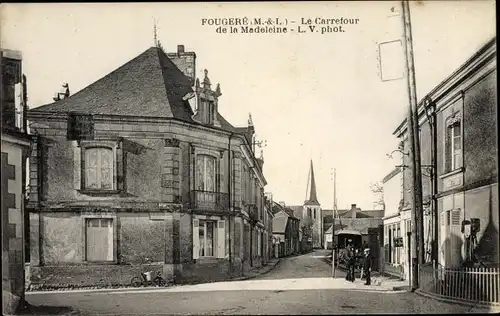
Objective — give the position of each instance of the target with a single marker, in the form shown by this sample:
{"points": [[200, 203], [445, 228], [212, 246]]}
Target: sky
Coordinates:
{"points": [[312, 96]]}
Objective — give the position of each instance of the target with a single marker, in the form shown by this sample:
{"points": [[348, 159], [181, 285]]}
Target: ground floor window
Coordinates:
{"points": [[209, 239], [99, 239], [393, 246]]}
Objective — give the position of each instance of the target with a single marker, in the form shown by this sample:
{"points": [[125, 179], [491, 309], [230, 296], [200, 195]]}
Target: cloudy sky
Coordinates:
{"points": [[312, 96]]}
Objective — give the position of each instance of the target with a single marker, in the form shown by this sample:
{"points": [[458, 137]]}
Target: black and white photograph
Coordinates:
{"points": [[249, 158]]}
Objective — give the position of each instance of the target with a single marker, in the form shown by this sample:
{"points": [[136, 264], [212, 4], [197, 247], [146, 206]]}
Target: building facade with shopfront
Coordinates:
{"points": [[459, 156]]}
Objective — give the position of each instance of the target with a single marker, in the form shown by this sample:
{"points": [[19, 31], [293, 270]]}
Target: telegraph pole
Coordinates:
{"points": [[333, 222], [414, 144]]}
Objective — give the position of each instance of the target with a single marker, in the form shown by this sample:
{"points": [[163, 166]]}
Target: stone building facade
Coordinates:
{"points": [[15, 150], [467, 165], [139, 171]]}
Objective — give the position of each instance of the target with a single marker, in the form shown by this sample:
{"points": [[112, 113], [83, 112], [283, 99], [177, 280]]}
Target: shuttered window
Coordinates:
{"points": [[196, 239], [99, 168], [221, 239], [455, 217]]}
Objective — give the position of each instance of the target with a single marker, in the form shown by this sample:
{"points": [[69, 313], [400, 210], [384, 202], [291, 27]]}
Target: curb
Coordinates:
{"points": [[480, 306]]}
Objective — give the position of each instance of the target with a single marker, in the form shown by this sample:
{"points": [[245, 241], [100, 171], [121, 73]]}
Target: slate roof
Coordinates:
{"points": [[359, 213], [148, 85], [279, 224], [297, 211]]}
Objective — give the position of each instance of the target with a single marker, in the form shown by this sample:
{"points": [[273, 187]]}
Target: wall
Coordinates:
{"points": [[480, 130], [482, 203], [141, 167], [392, 195], [12, 223]]}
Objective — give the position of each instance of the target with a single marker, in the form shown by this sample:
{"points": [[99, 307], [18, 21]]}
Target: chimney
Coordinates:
{"points": [[282, 204], [353, 210], [180, 49]]}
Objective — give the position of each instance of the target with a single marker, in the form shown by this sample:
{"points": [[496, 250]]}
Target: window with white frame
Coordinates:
{"points": [[453, 150], [208, 238], [206, 173], [99, 165]]}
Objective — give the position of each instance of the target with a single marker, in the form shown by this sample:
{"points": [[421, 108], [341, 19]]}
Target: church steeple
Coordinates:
{"points": [[313, 198]]}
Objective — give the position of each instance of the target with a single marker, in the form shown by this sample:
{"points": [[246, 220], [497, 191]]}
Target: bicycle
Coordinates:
{"points": [[145, 280]]}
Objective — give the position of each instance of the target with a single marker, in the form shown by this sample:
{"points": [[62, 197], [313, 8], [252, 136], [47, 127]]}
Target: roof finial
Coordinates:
{"points": [[261, 154], [218, 93], [250, 122], [206, 81]]}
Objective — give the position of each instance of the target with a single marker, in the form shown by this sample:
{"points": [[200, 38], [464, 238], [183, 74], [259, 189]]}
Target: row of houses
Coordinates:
{"points": [[137, 171], [459, 154]]}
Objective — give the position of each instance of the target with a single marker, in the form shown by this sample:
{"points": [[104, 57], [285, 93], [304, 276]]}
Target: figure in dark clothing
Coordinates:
{"points": [[367, 266], [351, 260]]}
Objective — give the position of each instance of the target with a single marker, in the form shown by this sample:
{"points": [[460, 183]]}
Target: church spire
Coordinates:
{"points": [[313, 198]]}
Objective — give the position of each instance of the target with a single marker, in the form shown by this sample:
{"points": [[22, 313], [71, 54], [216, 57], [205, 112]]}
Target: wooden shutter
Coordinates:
{"points": [[221, 239], [455, 217], [259, 249], [77, 165], [196, 238], [120, 171]]}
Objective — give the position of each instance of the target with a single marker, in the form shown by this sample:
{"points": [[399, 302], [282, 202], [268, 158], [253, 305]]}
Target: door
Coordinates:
{"points": [[99, 239]]}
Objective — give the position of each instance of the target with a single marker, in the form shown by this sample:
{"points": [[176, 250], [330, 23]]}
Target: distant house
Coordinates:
{"points": [[366, 222], [285, 230]]}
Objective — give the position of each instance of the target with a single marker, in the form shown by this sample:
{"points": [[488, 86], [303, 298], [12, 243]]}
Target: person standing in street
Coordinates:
{"points": [[367, 266], [351, 260]]}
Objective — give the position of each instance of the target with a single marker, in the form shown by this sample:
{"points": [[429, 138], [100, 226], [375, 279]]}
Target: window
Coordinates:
{"points": [[99, 239], [453, 145], [314, 213], [209, 238], [99, 168], [309, 213], [211, 112], [205, 173]]}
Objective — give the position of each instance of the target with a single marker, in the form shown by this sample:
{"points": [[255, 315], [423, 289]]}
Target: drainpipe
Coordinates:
{"points": [[230, 201]]}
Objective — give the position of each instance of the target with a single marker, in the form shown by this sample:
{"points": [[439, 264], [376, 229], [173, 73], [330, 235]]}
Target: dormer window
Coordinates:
{"points": [[211, 113]]}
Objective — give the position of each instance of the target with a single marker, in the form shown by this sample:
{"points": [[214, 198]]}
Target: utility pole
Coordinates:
{"points": [[414, 144], [333, 222]]}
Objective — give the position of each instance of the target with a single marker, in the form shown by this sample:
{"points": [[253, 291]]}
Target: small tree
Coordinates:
{"points": [[306, 228], [378, 191]]}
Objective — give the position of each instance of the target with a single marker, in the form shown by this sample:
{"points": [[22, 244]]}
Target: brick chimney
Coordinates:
{"points": [[353, 210], [185, 61]]}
